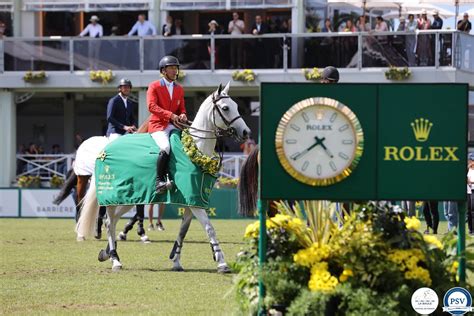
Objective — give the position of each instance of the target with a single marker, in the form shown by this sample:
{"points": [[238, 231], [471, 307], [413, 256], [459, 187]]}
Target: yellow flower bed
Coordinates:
{"points": [[245, 75], [312, 74], [104, 76]]}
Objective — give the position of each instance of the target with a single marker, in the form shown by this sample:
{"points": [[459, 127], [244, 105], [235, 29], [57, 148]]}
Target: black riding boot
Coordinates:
{"points": [[161, 169]]}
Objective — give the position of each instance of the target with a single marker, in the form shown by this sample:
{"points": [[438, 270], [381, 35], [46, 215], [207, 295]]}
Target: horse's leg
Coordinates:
{"points": [[138, 217], [175, 254], [113, 215], [217, 253], [100, 221], [81, 188], [140, 230]]}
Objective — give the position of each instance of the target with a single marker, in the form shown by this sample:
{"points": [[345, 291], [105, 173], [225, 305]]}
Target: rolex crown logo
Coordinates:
{"points": [[106, 168], [421, 128]]}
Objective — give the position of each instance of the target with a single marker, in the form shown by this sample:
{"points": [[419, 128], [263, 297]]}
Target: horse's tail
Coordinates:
{"points": [[66, 188], [89, 210], [248, 184]]}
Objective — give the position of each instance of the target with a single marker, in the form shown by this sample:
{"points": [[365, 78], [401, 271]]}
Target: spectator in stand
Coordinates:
{"points": [[410, 40], [167, 29], [423, 45], [402, 27], [178, 27], [94, 30], [32, 150], [349, 26], [362, 25], [114, 31], [284, 27], [60, 166], [3, 29], [437, 21], [327, 28], [260, 28], [20, 164], [464, 25], [214, 29], [236, 27], [381, 26], [143, 27]]}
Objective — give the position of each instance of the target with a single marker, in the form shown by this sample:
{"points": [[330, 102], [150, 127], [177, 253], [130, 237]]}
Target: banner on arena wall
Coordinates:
{"points": [[9, 203], [39, 203]]}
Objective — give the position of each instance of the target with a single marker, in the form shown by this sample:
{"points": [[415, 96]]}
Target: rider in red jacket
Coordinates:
{"points": [[165, 99]]}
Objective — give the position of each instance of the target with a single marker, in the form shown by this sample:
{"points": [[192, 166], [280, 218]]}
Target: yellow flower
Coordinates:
{"points": [[412, 223], [433, 240], [454, 268]]}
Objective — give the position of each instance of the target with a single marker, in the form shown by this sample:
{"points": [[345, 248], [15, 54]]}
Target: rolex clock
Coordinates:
{"points": [[319, 141]]}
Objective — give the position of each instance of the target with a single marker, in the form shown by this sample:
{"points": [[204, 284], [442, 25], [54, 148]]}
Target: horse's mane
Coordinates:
{"points": [[248, 184], [144, 127]]}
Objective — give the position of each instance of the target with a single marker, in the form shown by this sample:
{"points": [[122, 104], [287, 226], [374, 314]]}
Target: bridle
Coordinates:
{"points": [[218, 132]]}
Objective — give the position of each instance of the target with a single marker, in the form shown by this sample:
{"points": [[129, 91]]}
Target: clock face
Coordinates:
{"points": [[319, 141]]}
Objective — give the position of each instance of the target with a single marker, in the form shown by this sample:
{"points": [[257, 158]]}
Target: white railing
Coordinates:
{"points": [[231, 165], [44, 166]]}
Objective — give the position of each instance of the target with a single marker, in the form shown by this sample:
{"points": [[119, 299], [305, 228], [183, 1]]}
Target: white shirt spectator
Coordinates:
{"points": [[143, 29], [93, 30], [236, 27]]}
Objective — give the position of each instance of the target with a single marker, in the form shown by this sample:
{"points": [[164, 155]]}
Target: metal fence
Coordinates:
{"points": [[271, 51]]}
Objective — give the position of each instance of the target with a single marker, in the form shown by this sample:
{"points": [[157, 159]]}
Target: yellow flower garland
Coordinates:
{"points": [[206, 163]]}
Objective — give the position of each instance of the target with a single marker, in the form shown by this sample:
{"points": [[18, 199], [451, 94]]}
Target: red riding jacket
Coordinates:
{"points": [[161, 106]]}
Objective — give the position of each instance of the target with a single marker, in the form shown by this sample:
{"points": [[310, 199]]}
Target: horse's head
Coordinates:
{"points": [[225, 114]]}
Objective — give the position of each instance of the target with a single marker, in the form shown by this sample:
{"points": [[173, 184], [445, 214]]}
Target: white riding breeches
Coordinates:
{"points": [[162, 138]]}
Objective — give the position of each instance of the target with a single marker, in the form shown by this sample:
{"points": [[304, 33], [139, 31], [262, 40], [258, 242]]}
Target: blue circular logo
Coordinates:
{"points": [[457, 301]]}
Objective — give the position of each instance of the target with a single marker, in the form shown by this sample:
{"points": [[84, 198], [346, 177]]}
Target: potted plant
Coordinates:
{"points": [[103, 76], [56, 181], [394, 73], [35, 77], [246, 75], [29, 182], [312, 74]]}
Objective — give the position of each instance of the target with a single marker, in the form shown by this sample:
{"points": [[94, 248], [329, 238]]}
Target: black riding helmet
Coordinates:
{"points": [[330, 73], [125, 82], [168, 61]]}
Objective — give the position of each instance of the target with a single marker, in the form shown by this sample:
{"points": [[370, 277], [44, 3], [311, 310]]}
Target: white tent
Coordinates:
{"points": [[443, 13], [456, 3]]}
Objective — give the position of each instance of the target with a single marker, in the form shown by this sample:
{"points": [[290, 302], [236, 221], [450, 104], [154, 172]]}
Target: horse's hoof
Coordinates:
{"points": [[122, 236], [80, 238], [177, 269], [145, 239], [103, 255], [117, 266], [223, 269]]}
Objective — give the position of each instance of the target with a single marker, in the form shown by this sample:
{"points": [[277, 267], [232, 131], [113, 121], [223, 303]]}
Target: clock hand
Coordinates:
{"points": [[318, 142], [326, 149]]}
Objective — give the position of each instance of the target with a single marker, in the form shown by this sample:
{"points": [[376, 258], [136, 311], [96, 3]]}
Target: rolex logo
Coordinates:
{"points": [[421, 128], [106, 168]]}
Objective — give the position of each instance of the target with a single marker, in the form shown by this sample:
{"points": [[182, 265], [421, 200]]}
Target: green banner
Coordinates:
{"points": [[363, 141]]}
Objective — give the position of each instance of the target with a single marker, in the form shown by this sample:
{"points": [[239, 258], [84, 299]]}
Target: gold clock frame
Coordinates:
{"points": [[355, 125]]}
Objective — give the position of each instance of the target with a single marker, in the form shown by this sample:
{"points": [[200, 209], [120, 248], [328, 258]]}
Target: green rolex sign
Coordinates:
{"points": [[364, 141]]}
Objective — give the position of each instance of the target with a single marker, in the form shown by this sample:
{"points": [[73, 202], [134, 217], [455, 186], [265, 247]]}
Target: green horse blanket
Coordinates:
{"points": [[125, 174]]}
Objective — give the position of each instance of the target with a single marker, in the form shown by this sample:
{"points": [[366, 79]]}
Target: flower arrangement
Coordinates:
{"points": [[225, 182], [56, 181], [103, 76], [246, 75], [312, 74], [208, 164], [31, 76], [330, 268], [29, 182], [394, 73]]}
